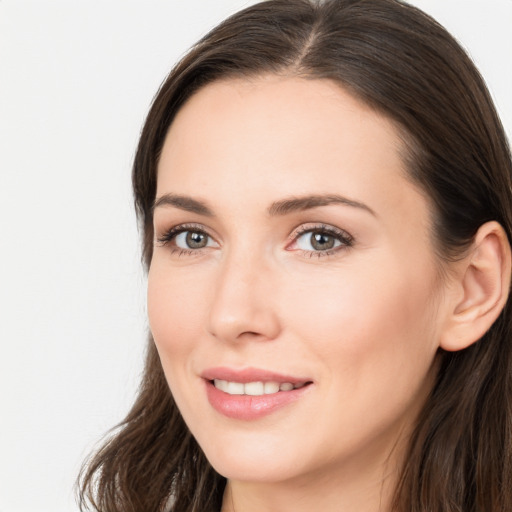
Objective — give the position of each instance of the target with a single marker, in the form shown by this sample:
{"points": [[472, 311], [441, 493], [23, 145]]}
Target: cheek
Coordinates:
{"points": [[176, 313], [176, 306], [367, 322], [374, 343]]}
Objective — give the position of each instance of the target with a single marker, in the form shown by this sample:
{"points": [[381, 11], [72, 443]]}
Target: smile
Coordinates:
{"points": [[250, 394], [256, 388]]}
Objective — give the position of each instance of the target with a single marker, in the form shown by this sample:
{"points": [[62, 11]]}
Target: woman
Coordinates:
{"points": [[325, 197]]}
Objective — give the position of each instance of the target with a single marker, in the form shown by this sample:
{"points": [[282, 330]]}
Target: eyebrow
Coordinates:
{"points": [[278, 208], [183, 203], [294, 204]]}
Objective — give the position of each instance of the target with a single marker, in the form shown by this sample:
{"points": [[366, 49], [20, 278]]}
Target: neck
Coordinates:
{"points": [[370, 490]]}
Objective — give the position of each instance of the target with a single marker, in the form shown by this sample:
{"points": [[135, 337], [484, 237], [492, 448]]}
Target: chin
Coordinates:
{"points": [[252, 458], [256, 470]]}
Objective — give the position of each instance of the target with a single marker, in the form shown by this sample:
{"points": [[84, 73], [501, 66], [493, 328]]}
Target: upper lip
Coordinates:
{"points": [[245, 375]]}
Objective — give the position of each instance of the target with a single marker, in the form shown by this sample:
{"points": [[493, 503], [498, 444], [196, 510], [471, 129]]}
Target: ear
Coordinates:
{"points": [[481, 288]]}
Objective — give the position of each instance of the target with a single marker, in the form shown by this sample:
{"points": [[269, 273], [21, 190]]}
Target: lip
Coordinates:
{"points": [[250, 375], [247, 407]]}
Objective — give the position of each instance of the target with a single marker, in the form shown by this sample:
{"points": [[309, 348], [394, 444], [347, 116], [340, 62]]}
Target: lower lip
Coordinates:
{"points": [[247, 407]]}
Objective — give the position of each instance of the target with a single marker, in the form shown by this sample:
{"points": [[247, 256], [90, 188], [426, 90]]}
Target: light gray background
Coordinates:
{"points": [[76, 79]]}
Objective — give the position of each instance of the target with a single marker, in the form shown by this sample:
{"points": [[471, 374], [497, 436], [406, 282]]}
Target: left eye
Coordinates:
{"points": [[317, 240]]}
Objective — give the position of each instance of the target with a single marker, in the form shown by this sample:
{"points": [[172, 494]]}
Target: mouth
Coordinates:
{"points": [[251, 394], [255, 388]]}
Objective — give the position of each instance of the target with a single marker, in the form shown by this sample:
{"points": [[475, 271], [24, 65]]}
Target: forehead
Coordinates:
{"points": [[282, 136], [276, 114]]}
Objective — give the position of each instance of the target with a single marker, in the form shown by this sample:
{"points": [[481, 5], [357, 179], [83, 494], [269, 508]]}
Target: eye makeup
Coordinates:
{"points": [[310, 240], [324, 240]]}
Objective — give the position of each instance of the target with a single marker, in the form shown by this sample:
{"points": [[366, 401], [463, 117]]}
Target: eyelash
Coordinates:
{"points": [[170, 235], [345, 239]]}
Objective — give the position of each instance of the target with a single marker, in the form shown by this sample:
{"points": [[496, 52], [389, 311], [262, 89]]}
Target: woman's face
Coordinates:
{"points": [[292, 252]]}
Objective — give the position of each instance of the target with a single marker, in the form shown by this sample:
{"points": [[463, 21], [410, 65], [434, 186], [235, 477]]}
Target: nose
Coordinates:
{"points": [[242, 306]]}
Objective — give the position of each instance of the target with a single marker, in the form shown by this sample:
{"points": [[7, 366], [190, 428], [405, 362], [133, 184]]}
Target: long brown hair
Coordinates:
{"points": [[405, 65]]}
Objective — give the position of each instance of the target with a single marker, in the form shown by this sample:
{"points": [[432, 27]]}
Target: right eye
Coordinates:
{"points": [[192, 240], [186, 239]]}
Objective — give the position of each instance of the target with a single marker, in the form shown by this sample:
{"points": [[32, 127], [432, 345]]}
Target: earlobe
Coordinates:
{"points": [[483, 283]]}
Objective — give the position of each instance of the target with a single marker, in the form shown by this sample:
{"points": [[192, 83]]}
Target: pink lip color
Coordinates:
{"points": [[247, 407], [249, 375]]}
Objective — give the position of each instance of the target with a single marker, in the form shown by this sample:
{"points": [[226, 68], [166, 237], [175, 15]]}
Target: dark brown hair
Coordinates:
{"points": [[405, 65]]}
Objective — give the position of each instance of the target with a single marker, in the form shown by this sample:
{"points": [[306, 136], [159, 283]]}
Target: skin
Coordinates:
{"points": [[363, 323]]}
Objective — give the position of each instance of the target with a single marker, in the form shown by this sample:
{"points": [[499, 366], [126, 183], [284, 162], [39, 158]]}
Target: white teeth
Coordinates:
{"points": [[271, 387], [254, 388], [235, 388], [221, 384]]}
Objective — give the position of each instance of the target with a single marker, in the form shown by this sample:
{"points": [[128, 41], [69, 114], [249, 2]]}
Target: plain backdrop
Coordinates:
{"points": [[76, 79]]}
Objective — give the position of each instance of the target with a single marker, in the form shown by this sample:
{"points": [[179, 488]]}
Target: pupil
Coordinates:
{"points": [[321, 241], [196, 240]]}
